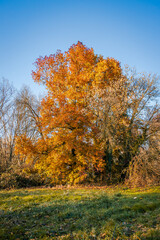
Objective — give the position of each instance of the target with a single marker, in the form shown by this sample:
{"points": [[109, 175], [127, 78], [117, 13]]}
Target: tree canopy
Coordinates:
{"points": [[93, 120]]}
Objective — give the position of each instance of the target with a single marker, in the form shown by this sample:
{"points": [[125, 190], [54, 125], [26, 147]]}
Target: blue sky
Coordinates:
{"points": [[129, 31]]}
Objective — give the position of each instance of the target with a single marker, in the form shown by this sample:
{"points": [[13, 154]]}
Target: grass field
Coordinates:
{"points": [[80, 213]]}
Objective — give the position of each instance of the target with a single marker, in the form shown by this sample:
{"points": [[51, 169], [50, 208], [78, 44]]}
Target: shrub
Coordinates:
{"points": [[18, 179], [144, 169]]}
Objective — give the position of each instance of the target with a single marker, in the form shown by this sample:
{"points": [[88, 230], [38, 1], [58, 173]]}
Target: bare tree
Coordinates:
{"points": [[124, 113], [7, 93]]}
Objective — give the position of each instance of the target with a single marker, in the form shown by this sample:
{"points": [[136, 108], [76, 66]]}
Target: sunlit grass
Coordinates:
{"points": [[80, 213]]}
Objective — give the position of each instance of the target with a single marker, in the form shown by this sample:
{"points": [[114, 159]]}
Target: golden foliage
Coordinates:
{"points": [[89, 118]]}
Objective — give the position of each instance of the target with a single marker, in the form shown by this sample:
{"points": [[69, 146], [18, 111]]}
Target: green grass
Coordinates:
{"points": [[80, 213]]}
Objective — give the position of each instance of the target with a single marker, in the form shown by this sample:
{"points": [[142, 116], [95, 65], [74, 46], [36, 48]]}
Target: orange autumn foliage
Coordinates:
{"points": [[70, 149]]}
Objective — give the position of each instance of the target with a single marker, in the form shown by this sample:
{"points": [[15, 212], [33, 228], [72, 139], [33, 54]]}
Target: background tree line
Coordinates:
{"points": [[17, 116], [97, 123]]}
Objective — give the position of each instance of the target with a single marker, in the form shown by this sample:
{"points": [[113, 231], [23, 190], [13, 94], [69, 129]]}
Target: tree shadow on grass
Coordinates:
{"points": [[53, 220], [73, 218]]}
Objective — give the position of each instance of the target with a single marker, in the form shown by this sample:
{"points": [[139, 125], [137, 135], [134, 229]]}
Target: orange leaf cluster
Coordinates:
{"points": [[70, 150]]}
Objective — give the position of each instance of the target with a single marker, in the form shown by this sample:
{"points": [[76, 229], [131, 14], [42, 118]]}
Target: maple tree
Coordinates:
{"points": [[89, 121]]}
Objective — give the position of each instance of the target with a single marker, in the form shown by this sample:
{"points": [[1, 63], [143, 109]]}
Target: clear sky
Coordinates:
{"points": [[127, 30]]}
